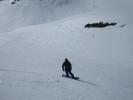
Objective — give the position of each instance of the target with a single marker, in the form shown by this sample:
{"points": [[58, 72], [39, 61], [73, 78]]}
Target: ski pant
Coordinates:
{"points": [[69, 72]]}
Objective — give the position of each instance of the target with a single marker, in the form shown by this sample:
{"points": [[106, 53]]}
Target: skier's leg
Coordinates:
{"points": [[67, 74], [71, 74]]}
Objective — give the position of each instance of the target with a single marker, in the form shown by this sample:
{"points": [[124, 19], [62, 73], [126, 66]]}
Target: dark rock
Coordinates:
{"points": [[99, 25]]}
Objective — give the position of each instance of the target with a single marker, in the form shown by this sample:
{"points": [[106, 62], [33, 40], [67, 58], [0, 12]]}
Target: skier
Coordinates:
{"points": [[67, 67]]}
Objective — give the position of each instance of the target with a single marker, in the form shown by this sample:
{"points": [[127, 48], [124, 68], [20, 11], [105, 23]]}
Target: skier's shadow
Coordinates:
{"points": [[89, 83], [80, 80]]}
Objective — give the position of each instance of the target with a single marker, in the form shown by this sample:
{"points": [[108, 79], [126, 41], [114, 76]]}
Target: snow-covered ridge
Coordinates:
{"points": [[19, 13]]}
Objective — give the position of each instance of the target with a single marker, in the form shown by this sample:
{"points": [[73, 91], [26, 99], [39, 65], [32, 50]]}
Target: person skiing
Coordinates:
{"points": [[67, 67]]}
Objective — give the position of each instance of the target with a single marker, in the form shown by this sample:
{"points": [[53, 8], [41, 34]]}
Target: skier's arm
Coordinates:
{"points": [[63, 66]]}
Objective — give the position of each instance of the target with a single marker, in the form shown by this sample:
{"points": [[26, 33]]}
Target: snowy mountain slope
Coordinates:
{"points": [[32, 12], [31, 62], [31, 58]]}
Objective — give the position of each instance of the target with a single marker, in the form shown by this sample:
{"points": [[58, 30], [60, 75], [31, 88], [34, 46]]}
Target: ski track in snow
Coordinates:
{"points": [[34, 82]]}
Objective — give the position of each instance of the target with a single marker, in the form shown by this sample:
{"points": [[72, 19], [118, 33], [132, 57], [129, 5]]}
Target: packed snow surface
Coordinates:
{"points": [[31, 57]]}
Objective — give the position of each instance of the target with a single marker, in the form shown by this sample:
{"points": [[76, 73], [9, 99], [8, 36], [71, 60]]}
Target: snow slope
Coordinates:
{"points": [[33, 12], [31, 58]]}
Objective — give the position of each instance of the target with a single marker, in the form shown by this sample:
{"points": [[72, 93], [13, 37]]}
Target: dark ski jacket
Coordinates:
{"points": [[67, 66]]}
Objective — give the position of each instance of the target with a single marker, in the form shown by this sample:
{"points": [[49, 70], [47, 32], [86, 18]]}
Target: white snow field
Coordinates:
{"points": [[31, 57], [29, 12]]}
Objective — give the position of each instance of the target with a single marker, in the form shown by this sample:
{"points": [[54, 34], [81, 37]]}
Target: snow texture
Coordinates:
{"points": [[29, 12]]}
